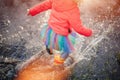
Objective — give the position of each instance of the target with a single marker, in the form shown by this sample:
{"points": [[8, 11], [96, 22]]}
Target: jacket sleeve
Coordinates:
{"points": [[75, 22], [47, 4]]}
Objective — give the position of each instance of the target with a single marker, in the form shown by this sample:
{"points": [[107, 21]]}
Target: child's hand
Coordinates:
{"points": [[28, 12]]}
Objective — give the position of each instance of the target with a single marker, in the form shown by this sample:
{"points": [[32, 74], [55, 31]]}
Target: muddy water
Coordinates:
{"points": [[40, 68]]}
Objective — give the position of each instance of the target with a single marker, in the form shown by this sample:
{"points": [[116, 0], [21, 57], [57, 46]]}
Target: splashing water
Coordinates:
{"points": [[92, 43]]}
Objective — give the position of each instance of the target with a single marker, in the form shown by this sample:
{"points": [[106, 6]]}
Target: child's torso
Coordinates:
{"points": [[61, 10]]}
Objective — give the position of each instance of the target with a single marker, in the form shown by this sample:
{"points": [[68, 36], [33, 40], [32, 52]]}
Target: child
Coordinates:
{"points": [[58, 33]]}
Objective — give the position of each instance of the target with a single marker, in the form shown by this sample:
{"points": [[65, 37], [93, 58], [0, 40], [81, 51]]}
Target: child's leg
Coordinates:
{"points": [[64, 55], [59, 59], [48, 50]]}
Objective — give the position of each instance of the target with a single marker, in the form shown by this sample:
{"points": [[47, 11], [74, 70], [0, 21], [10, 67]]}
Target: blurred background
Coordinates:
{"points": [[97, 57]]}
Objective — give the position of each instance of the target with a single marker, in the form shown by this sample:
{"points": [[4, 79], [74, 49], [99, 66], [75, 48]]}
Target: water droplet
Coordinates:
{"points": [[8, 21], [21, 27], [7, 31]]}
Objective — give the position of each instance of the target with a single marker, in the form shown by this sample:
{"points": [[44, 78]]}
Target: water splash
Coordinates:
{"points": [[94, 42]]}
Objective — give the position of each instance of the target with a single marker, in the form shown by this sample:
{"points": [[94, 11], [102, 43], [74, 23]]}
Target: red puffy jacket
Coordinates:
{"points": [[64, 16]]}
